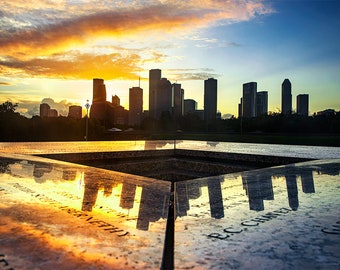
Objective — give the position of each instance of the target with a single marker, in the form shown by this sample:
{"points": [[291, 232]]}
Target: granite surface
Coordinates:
{"points": [[57, 216], [285, 217], [60, 215]]}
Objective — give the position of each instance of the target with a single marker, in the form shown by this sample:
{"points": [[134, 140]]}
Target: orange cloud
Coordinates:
{"points": [[5, 83], [76, 29], [77, 66]]}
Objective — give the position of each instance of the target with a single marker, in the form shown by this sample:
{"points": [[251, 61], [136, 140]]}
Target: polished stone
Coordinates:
{"points": [[64, 216], [60, 215], [285, 217]]}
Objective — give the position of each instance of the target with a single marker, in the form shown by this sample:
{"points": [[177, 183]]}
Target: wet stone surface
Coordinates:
{"points": [[59, 215]]}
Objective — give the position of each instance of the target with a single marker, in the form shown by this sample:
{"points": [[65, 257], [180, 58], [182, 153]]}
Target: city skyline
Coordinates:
{"points": [[238, 42]]}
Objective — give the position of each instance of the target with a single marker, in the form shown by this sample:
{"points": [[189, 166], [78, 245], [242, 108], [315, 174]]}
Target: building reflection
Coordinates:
{"points": [[40, 169], [307, 181], [153, 206], [90, 192], [182, 199], [215, 198], [292, 191], [128, 195], [153, 202], [154, 197]]}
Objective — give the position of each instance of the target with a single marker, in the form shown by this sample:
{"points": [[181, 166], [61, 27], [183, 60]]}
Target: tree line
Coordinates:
{"points": [[15, 127]]}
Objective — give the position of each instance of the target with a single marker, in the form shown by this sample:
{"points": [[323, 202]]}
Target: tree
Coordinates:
{"points": [[8, 107]]}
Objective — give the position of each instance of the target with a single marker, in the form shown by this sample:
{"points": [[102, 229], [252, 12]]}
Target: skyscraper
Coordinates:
{"points": [[261, 103], [302, 106], [210, 100], [98, 108], [164, 98], [240, 108], [249, 99], [74, 111], [190, 106], [135, 106], [115, 101], [286, 97], [99, 90], [44, 109], [178, 100], [154, 79]]}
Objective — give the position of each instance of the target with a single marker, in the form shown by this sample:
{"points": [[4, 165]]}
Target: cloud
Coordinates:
{"points": [[191, 74], [29, 108], [61, 106], [56, 29], [35, 38], [74, 65], [5, 83]]}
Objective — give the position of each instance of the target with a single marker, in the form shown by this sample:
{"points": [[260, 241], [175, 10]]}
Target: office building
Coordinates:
{"points": [[44, 109], [249, 99], [135, 106], [178, 100], [286, 97], [190, 106], [302, 106], [154, 79], [240, 109], [107, 113], [115, 101], [164, 98], [210, 100], [261, 103], [52, 113], [99, 91], [75, 112]]}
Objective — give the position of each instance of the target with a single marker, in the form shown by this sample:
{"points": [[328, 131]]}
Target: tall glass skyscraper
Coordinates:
{"points": [[261, 103], [210, 100], [249, 99], [178, 99], [154, 79], [302, 107], [99, 91], [286, 97], [135, 106]]}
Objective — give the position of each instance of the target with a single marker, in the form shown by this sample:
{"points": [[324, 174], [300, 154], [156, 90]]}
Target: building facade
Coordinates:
{"points": [[135, 106], [154, 79], [286, 97], [302, 104], [261, 103], [190, 106], [164, 98], [249, 99], [99, 91], [210, 100], [178, 100], [75, 112], [44, 110], [115, 101]]}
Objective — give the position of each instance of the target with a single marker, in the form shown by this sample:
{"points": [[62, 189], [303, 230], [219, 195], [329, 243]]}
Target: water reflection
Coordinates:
{"points": [[147, 202], [257, 187], [108, 192], [215, 198]]}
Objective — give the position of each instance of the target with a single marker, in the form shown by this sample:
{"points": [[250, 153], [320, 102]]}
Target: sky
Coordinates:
{"points": [[50, 50]]}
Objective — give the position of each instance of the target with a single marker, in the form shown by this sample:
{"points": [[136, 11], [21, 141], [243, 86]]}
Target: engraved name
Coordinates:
{"points": [[228, 232]]}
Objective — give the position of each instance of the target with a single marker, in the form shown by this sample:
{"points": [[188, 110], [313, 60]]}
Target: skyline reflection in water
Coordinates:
{"points": [[144, 202], [90, 216]]}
